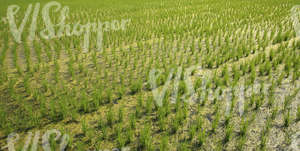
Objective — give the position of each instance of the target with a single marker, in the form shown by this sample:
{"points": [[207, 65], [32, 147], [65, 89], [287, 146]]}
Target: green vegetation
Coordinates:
{"points": [[104, 100]]}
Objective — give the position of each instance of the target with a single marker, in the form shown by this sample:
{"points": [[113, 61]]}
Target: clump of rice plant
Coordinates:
{"points": [[145, 139], [129, 135], [192, 132], [183, 146], [175, 124], [228, 118], [109, 95], [121, 92], [287, 119], [120, 138], [241, 143], [132, 121], [84, 127], [215, 122], [201, 137], [298, 113], [136, 87], [149, 104], [121, 114], [228, 133], [110, 117], [100, 122], [274, 112], [138, 112], [244, 127], [182, 89], [259, 101], [164, 144], [162, 123], [263, 141]]}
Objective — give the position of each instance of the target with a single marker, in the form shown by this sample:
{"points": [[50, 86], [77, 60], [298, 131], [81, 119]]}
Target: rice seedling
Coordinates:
{"points": [[110, 117], [263, 140], [149, 103], [138, 111], [132, 121], [145, 138], [274, 112], [56, 71], [121, 92], [228, 133], [244, 127], [4, 51], [100, 122], [121, 114], [279, 80], [136, 87], [176, 124], [201, 137], [287, 119], [84, 127], [120, 138], [108, 95], [183, 146], [164, 146], [192, 132], [215, 122], [298, 113], [241, 143], [104, 131], [259, 101]]}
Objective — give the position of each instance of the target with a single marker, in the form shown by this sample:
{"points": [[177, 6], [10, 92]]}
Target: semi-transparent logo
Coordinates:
{"points": [[295, 14]]}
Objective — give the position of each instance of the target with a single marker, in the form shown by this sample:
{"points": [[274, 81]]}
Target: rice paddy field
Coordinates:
{"points": [[167, 75]]}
